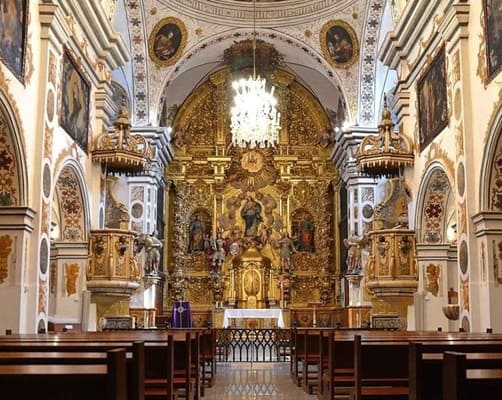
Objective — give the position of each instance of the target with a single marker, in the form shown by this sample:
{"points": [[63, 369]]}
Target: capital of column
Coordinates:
{"points": [[347, 141]]}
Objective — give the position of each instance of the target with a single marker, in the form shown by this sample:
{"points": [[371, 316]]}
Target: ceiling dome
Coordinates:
{"points": [[269, 13]]}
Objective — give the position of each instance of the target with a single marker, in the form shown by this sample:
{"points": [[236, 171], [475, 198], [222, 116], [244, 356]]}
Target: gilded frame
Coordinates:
{"points": [[433, 115], [14, 17], [342, 52], [173, 35], [75, 102], [492, 24]]}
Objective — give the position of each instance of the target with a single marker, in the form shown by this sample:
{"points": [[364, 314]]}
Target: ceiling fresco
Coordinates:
{"points": [[292, 27]]}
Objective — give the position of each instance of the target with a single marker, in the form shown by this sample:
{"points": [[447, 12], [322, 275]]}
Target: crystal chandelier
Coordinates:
{"points": [[255, 120]]}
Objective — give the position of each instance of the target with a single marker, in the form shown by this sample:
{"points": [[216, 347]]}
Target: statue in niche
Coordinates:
{"points": [[196, 236], [251, 213], [218, 255]]}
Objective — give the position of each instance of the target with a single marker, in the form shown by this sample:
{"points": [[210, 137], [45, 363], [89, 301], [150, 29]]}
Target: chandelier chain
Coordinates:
{"points": [[255, 120]]}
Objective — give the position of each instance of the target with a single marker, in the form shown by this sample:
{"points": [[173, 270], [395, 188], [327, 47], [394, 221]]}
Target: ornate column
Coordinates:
{"points": [[147, 198], [12, 257], [361, 193], [488, 230], [438, 266], [66, 282]]}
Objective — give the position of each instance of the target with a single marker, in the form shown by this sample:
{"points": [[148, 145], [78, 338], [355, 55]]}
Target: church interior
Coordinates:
{"points": [[191, 179], [128, 189]]}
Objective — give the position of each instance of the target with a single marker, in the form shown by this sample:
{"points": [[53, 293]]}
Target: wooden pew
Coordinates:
{"points": [[381, 369], [426, 359], [337, 366], [208, 356], [155, 346], [61, 381], [311, 359], [174, 372], [80, 354], [476, 377]]}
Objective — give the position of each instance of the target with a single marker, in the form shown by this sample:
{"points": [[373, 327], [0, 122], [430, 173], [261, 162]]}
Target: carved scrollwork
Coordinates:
{"points": [[305, 289], [199, 290]]}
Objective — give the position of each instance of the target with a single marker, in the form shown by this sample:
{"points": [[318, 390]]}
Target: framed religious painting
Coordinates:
{"points": [[13, 26], [493, 36], [339, 44], [75, 103], [432, 100], [167, 41]]}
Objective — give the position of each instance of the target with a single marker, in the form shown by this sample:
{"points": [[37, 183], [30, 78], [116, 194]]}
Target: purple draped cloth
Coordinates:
{"points": [[182, 315]]}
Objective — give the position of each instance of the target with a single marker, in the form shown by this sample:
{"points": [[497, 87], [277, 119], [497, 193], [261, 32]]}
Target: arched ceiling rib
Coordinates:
{"points": [[269, 14]]}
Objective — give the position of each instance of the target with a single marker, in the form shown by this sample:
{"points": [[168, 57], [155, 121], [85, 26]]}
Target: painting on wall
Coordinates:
{"points": [[13, 24], [432, 100], [339, 43], [167, 41], [75, 103], [493, 36]]}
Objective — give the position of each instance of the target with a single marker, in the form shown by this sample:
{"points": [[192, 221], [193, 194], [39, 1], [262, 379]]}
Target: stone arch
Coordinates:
{"points": [[13, 173], [314, 57], [491, 182], [70, 204], [435, 209]]}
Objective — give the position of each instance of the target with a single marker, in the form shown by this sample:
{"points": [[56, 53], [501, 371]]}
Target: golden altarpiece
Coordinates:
{"points": [[252, 228]]}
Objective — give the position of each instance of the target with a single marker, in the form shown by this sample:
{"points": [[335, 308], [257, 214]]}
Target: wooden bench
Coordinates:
{"points": [[54, 381], [155, 347], [381, 369], [208, 357], [84, 353], [478, 376], [336, 376], [175, 370], [426, 359]]}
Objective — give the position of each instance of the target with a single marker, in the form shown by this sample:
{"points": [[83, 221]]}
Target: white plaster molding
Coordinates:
{"points": [[270, 15]]}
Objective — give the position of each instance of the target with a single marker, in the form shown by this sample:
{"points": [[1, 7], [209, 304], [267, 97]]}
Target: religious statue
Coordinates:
{"points": [[251, 213], [263, 235], [196, 235], [286, 245], [354, 246], [218, 255], [152, 251]]}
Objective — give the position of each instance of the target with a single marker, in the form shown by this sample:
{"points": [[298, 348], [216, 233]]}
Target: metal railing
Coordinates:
{"points": [[252, 345]]}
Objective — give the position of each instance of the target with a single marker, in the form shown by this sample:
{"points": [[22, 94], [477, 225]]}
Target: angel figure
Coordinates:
{"points": [[354, 246]]}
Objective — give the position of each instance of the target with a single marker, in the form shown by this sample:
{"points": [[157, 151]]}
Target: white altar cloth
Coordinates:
{"points": [[253, 313]]}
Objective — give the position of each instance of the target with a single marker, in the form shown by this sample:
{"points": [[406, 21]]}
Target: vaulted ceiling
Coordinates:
{"points": [[293, 27]]}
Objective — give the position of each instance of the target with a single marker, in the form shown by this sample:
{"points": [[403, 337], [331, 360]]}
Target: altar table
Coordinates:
{"points": [[264, 313]]}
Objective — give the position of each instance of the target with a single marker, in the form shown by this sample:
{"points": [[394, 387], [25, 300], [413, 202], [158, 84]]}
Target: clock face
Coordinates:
{"points": [[252, 161]]}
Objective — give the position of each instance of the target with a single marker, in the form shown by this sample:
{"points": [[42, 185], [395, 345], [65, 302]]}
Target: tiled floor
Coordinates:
{"points": [[257, 381]]}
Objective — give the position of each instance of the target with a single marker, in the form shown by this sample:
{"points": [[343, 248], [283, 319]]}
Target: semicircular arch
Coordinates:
{"points": [[434, 206], [71, 203], [491, 182], [13, 170]]}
